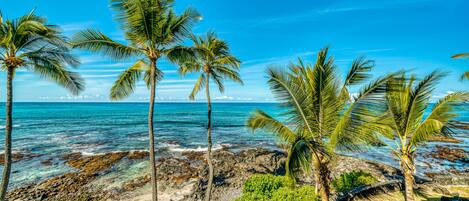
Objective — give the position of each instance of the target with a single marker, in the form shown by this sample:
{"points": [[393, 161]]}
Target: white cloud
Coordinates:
{"points": [[224, 98], [177, 81], [70, 28], [100, 76], [375, 50]]}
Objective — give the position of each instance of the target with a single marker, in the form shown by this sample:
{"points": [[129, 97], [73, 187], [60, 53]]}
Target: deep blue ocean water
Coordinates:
{"points": [[54, 129]]}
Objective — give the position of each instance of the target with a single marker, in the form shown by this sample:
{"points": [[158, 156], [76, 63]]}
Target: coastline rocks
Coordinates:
{"points": [[18, 156], [450, 154], [444, 139], [179, 178], [96, 163]]}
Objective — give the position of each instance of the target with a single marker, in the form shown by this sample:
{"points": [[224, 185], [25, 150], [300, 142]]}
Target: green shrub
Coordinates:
{"points": [[350, 180], [264, 184], [304, 193]]}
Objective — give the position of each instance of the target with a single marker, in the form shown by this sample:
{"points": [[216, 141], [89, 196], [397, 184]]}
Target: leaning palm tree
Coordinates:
{"points": [[29, 43], [406, 124], [465, 75], [212, 59], [152, 31], [322, 116]]}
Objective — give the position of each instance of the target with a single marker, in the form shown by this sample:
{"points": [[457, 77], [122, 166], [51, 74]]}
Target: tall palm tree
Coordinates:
{"points": [[152, 31], [465, 75], [213, 60], [29, 43], [406, 124], [322, 116]]}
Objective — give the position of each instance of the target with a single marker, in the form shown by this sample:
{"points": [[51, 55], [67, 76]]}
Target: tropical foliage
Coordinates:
{"points": [[350, 180], [406, 123], [29, 43], [265, 184], [268, 187], [322, 115], [212, 59], [303, 193], [152, 30]]}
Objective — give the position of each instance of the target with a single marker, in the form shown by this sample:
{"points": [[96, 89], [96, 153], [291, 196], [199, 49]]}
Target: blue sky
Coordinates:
{"points": [[408, 34]]}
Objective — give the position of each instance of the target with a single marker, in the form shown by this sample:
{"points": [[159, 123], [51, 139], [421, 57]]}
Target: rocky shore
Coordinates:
{"points": [[102, 177]]}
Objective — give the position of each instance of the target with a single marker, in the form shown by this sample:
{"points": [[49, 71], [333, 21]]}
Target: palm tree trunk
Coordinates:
{"points": [[322, 175], [8, 128], [154, 186], [208, 193], [407, 167]]}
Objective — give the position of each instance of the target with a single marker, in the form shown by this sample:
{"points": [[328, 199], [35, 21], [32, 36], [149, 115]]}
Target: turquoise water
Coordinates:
{"points": [[54, 129]]}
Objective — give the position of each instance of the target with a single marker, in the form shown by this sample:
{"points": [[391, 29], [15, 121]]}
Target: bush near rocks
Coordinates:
{"points": [[353, 179], [267, 187], [304, 193], [265, 184]]}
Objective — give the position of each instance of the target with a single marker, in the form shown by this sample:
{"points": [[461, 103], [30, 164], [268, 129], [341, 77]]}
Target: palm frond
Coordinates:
{"points": [[438, 122], [158, 76], [96, 41], [125, 84], [261, 120], [461, 55], [298, 159], [465, 75], [55, 72], [199, 84], [359, 71], [419, 99], [226, 72], [218, 81], [292, 94]]}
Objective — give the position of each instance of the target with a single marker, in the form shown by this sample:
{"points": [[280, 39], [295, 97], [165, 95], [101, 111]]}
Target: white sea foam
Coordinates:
{"points": [[14, 126], [198, 149]]}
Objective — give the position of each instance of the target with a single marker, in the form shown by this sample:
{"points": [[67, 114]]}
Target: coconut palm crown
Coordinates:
{"points": [[405, 121], [152, 31], [29, 43], [322, 116], [212, 59]]}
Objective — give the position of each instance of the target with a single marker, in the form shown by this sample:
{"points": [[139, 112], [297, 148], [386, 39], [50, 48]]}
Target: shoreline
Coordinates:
{"points": [[123, 175]]}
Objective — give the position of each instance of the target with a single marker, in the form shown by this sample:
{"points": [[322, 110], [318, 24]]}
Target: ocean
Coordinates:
{"points": [[54, 129]]}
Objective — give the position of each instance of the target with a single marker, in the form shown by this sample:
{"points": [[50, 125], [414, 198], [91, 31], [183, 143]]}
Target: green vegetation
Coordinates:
{"points": [[268, 187], [350, 180], [265, 184], [30, 43], [304, 193], [405, 123], [211, 58], [322, 115]]}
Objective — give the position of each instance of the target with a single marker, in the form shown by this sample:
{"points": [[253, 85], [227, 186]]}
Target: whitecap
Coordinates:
{"points": [[14, 126], [198, 149]]}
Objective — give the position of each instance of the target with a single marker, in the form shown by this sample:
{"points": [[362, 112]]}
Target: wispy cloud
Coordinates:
{"points": [[177, 81], [73, 27], [375, 50], [100, 76], [334, 9]]}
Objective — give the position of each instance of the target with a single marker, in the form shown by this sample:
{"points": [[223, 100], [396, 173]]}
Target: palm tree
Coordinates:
{"points": [[322, 116], [152, 31], [31, 44], [212, 59], [406, 124], [465, 75]]}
